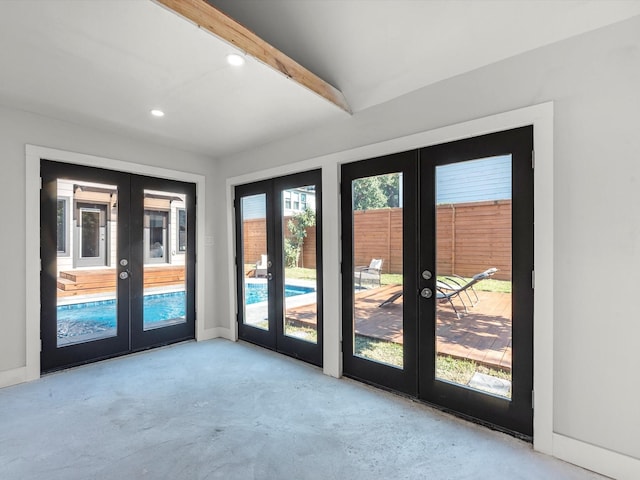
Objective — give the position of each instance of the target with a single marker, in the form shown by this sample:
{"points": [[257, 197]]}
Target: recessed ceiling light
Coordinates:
{"points": [[235, 59], [157, 113]]}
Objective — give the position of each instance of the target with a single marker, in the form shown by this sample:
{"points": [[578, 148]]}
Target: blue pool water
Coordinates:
{"points": [[92, 317], [100, 317], [257, 292]]}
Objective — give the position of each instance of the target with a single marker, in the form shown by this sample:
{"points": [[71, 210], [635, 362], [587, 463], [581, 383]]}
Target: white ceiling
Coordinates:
{"points": [[106, 63]]}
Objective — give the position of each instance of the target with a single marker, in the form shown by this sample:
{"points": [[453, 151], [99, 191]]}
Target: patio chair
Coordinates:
{"points": [[261, 266], [372, 272], [452, 286], [441, 294]]}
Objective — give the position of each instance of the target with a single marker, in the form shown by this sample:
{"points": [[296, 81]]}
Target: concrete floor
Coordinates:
{"points": [[227, 410]]}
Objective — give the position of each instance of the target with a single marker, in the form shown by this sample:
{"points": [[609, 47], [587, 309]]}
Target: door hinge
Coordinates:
{"points": [[533, 279], [41, 345], [533, 159], [533, 399], [40, 183]]}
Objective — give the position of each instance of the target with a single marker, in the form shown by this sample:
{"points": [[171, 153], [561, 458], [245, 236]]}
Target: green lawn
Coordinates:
{"points": [[300, 273], [379, 350], [488, 285], [447, 368]]}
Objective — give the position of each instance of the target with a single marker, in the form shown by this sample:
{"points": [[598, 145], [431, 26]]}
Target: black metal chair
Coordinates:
{"points": [[371, 273], [452, 286]]}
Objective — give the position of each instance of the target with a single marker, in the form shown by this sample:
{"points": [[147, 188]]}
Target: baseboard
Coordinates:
{"points": [[216, 332], [14, 377], [597, 459]]}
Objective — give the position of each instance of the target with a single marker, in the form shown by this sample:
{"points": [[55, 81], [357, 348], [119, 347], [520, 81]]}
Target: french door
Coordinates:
{"points": [[118, 269], [279, 264], [448, 318]]}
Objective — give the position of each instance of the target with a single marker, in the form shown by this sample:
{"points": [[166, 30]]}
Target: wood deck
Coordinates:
{"points": [[482, 335], [103, 280]]}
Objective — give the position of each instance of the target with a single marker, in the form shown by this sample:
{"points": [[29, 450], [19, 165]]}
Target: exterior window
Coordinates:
{"points": [[62, 226], [182, 230], [155, 236], [296, 202]]}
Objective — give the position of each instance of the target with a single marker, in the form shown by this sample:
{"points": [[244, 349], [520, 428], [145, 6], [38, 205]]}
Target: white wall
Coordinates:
{"points": [[18, 129], [594, 82]]}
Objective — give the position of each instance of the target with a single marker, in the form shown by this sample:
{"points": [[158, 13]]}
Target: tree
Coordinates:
{"points": [[380, 191], [390, 186], [297, 226], [368, 194]]}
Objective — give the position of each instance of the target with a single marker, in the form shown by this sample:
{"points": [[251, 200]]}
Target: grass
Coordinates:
{"points": [[488, 285], [391, 279], [302, 333], [448, 368], [379, 350], [300, 273]]}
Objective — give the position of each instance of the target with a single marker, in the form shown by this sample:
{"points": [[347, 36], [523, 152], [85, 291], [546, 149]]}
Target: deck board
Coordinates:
{"points": [[103, 280], [482, 335]]}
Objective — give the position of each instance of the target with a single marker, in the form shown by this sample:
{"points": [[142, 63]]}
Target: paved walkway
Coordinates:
{"points": [[483, 334]]}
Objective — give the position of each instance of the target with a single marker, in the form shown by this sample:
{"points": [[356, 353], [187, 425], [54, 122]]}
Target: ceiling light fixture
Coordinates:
{"points": [[157, 113], [235, 59]]}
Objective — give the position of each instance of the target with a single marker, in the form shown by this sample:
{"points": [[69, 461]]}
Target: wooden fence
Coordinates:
{"points": [[255, 242], [471, 237]]}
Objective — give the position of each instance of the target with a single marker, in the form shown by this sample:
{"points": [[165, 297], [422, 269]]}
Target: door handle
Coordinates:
{"points": [[124, 275], [426, 293]]}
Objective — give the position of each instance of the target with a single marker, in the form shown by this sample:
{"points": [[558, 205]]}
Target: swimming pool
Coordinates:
{"points": [[257, 292], [96, 317], [99, 317]]}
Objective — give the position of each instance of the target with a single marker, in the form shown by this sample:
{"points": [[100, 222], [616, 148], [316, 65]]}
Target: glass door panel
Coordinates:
{"points": [[117, 263], [476, 231], [83, 227], [279, 264], [378, 324], [473, 265], [86, 304], [379, 220], [164, 275], [255, 285], [162, 263], [437, 256], [298, 218]]}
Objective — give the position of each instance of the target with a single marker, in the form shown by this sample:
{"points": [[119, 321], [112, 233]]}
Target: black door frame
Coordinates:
{"points": [[274, 338], [130, 335], [402, 380], [514, 415]]}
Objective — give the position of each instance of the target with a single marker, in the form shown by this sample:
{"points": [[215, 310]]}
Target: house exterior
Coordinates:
{"points": [[294, 201], [87, 225]]}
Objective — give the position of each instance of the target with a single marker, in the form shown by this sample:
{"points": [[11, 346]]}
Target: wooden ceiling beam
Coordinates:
{"points": [[224, 27]]}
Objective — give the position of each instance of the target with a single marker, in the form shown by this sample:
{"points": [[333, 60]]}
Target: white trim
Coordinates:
{"points": [[216, 332], [598, 459], [541, 117], [15, 376], [33, 156]]}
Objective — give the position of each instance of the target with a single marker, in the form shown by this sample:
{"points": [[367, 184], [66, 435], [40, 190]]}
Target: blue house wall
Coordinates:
{"points": [[474, 181]]}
